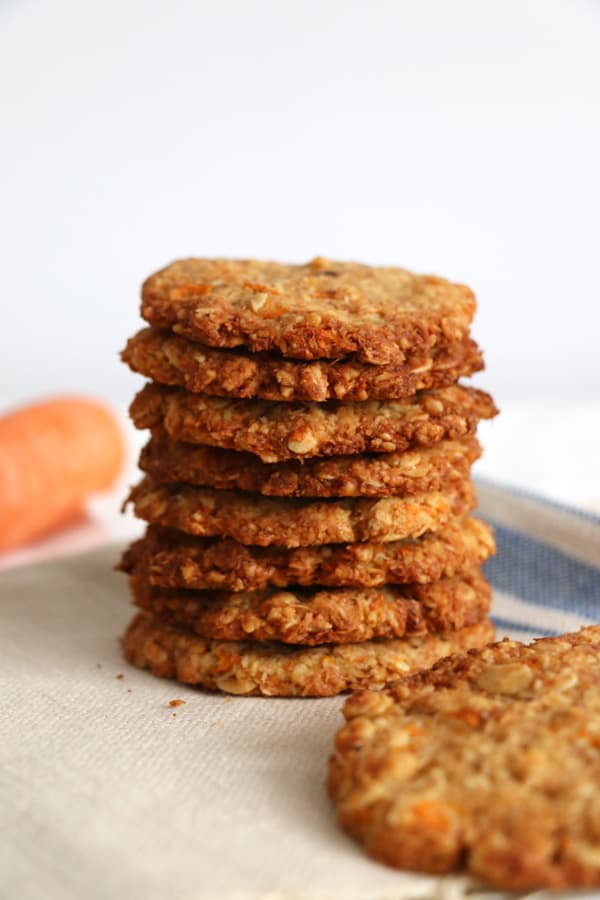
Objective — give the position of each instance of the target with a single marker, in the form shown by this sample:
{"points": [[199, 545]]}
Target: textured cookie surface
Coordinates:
{"points": [[320, 616], [488, 762], [320, 309], [170, 558], [170, 359], [274, 669], [412, 472], [279, 431], [267, 521]]}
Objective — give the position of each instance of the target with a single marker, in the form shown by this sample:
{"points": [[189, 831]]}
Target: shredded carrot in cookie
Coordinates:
{"points": [[431, 815]]}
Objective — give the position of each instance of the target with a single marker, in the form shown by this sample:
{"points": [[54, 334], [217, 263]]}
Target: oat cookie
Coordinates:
{"points": [[172, 559], [267, 521], [274, 669], [169, 359], [320, 616], [489, 762], [279, 431], [411, 472], [320, 309]]}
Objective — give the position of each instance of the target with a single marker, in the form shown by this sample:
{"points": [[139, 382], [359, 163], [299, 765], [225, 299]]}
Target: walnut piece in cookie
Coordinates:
{"points": [[489, 762]]}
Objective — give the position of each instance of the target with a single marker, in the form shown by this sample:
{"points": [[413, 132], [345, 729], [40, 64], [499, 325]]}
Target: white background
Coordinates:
{"points": [[457, 137]]}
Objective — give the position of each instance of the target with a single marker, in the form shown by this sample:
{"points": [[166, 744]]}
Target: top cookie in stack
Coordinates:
{"points": [[307, 479]]}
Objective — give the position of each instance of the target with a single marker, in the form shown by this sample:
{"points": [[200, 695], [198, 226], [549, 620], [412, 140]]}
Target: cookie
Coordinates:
{"points": [[274, 669], [489, 762], [169, 359], [411, 472], [320, 309], [321, 616], [172, 559], [268, 521], [279, 431]]}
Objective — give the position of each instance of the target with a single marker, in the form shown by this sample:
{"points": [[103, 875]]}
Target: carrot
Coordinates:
{"points": [[52, 456]]}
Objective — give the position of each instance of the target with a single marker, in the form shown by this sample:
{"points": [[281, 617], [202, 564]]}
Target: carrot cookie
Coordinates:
{"points": [[411, 472], [279, 431], [274, 669], [169, 359], [334, 616], [320, 309], [267, 521], [489, 762], [170, 558]]}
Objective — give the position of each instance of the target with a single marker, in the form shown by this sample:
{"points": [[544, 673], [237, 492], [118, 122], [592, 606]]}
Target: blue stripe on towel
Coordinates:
{"points": [[543, 576]]}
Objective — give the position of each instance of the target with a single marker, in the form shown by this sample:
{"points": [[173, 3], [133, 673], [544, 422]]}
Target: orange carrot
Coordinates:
{"points": [[52, 455]]}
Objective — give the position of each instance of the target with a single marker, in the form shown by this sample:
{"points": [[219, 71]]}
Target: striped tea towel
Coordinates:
{"points": [[546, 573]]}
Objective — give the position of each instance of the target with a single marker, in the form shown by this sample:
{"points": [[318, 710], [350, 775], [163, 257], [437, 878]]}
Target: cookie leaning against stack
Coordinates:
{"points": [[307, 480]]}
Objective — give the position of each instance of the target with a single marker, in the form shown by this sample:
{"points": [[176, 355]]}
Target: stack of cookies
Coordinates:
{"points": [[307, 479]]}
